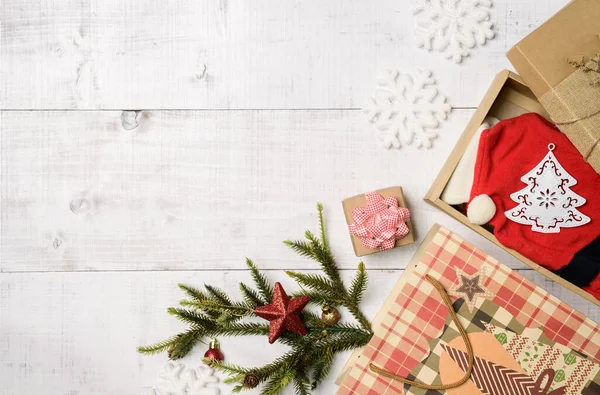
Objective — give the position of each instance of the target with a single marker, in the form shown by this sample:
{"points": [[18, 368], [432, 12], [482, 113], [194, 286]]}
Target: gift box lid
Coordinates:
{"points": [[544, 60]]}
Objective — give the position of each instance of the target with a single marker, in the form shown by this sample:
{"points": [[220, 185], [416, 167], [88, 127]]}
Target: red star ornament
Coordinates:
{"points": [[283, 314]]}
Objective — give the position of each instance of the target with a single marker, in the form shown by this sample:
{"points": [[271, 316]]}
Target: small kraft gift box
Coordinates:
{"points": [[560, 80], [382, 207]]}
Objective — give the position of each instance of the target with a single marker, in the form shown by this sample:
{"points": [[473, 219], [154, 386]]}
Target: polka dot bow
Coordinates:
{"points": [[380, 223]]}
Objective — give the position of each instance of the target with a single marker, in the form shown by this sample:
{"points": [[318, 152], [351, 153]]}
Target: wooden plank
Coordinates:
{"points": [[199, 190], [225, 54], [66, 333]]}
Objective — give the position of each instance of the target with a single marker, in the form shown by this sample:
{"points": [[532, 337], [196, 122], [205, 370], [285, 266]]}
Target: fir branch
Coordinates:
{"points": [[300, 247], [227, 368], [359, 284], [346, 341], [312, 238], [242, 329], [178, 346], [278, 382], [324, 239], [265, 372], [327, 261], [197, 297], [192, 318], [233, 377], [193, 293], [159, 347], [235, 309], [301, 381], [218, 295], [322, 366], [264, 286], [184, 344], [214, 314], [338, 329], [301, 386], [227, 318], [251, 297], [315, 282], [319, 298], [360, 317]]}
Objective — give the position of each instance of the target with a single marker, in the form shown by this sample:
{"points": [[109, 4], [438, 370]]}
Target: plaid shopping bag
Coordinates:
{"points": [[412, 328]]}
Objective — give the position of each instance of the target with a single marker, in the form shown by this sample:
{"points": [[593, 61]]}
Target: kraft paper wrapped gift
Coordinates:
{"points": [[570, 94], [360, 201]]}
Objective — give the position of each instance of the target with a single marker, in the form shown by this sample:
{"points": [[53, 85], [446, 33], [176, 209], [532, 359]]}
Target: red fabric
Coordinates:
{"points": [[507, 152]]}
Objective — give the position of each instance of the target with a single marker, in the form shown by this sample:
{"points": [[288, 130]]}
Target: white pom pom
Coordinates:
{"points": [[481, 210]]}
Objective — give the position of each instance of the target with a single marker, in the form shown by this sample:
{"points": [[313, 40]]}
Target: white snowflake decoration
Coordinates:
{"points": [[453, 27], [181, 380], [547, 203], [407, 108]]}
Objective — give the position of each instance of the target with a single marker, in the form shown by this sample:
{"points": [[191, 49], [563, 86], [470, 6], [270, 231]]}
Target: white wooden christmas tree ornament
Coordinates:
{"points": [[547, 203], [407, 108], [453, 27]]}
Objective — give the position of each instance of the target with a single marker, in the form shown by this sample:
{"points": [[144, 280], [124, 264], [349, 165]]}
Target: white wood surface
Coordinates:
{"points": [[148, 54], [249, 116]]}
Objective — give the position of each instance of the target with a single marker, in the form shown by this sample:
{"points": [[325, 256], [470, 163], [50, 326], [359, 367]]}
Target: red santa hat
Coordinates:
{"points": [[506, 153]]}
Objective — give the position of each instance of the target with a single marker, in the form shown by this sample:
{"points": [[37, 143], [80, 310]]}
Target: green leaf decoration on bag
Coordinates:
{"points": [[570, 359], [560, 376], [501, 337]]}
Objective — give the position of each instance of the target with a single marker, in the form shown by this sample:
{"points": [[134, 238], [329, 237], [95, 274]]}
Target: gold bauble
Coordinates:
{"points": [[330, 315]]}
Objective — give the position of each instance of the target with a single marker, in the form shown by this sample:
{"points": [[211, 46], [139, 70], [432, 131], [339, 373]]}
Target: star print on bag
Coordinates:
{"points": [[471, 288]]}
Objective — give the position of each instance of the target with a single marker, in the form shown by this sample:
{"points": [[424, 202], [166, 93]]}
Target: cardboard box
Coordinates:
{"points": [[508, 97], [360, 201], [566, 92]]}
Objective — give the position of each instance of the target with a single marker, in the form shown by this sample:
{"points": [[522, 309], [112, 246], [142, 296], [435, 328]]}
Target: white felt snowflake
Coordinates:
{"points": [[406, 108], [182, 380], [453, 27]]}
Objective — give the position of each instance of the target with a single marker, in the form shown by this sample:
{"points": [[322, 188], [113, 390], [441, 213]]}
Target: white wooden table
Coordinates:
{"points": [[200, 132]]}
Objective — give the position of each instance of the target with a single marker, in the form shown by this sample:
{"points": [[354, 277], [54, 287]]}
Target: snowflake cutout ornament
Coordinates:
{"points": [[406, 108], [547, 203], [453, 27], [182, 380]]}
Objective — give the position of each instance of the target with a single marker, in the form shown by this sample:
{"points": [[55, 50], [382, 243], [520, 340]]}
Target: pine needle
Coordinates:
{"points": [[278, 382], [323, 366], [192, 317], [301, 382], [192, 292], [359, 284], [218, 294], [324, 239], [315, 282], [300, 247], [251, 297], [264, 286], [228, 368], [158, 347]]}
